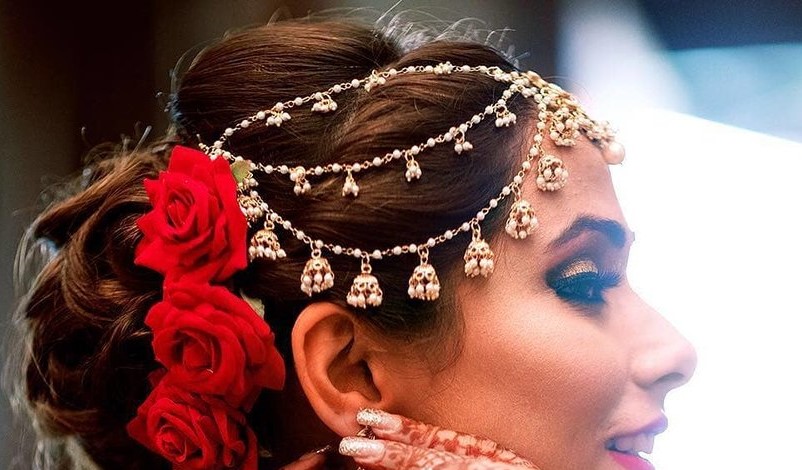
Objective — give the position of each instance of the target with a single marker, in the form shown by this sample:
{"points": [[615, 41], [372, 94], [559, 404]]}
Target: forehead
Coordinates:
{"points": [[589, 191]]}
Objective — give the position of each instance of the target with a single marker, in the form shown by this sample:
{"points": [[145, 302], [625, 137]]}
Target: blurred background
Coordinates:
{"points": [[708, 97]]}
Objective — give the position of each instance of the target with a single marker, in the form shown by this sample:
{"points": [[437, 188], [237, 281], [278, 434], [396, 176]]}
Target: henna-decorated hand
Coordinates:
{"points": [[404, 444]]}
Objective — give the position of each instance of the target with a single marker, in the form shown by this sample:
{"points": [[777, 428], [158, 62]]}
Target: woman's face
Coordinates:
{"points": [[560, 361]]}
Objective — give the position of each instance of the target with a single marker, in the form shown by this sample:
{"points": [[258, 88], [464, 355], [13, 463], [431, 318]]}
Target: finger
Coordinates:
{"points": [[379, 454], [407, 431], [311, 461]]}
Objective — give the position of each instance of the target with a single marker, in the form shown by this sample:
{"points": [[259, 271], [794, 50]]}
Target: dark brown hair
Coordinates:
{"points": [[88, 352]]}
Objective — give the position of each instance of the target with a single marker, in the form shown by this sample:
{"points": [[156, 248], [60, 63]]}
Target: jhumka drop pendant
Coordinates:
{"points": [[317, 275], [424, 283], [265, 244], [365, 291], [479, 259], [252, 207], [551, 173], [522, 220]]}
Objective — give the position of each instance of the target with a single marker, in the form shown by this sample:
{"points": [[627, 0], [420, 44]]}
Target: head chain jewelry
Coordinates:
{"points": [[560, 118]]}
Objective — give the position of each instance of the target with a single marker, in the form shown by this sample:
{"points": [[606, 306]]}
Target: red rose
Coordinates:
{"points": [[192, 431], [196, 227], [213, 342]]}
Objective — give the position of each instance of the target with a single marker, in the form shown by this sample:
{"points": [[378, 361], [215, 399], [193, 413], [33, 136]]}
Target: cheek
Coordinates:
{"points": [[537, 378], [555, 362]]}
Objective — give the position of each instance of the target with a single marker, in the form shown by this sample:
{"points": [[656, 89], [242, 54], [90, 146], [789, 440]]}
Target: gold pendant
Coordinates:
{"points": [[365, 291], [424, 283], [522, 220], [551, 173], [265, 244], [317, 275]]}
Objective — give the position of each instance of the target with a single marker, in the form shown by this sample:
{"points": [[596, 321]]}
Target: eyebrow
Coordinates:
{"points": [[613, 230]]}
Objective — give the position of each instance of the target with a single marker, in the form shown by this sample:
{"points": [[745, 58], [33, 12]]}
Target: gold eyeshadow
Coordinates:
{"points": [[582, 266]]}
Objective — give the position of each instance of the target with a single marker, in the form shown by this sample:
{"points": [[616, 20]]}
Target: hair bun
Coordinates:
{"points": [[89, 352]]}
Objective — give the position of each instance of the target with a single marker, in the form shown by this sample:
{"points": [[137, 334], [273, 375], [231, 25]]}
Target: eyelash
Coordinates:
{"points": [[584, 288]]}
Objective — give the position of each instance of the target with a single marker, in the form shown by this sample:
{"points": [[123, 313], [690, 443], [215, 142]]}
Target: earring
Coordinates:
{"points": [[367, 433]]}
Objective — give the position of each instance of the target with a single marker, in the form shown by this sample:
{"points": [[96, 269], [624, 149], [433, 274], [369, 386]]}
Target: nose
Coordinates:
{"points": [[664, 358]]}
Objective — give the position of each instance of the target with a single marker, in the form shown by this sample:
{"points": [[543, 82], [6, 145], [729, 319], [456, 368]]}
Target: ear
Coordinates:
{"points": [[335, 365]]}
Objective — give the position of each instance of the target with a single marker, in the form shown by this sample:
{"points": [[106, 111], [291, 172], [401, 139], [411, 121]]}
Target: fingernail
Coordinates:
{"points": [[378, 419], [315, 453], [361, 448]]}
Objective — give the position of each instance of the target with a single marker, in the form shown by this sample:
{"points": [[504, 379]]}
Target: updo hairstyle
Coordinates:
{"points": [[87, 352]]}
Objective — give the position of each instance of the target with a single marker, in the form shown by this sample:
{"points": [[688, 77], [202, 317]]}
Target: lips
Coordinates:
{"points": [[631, 462], [629, 449], [633, 444]]}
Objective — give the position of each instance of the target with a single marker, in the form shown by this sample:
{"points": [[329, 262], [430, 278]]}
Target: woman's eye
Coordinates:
{"points": [[583, 282]]}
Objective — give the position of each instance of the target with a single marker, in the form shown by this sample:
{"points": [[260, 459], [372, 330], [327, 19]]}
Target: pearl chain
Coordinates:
{"points": [[560, 118], [278, 114], [358, 253]]}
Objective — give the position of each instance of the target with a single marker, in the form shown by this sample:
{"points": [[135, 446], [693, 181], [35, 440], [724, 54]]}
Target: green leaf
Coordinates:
{"points": [[241, 170], [256, 304]]}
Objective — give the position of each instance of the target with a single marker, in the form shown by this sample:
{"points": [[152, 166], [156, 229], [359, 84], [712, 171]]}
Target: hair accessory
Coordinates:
{"points": [[560, 119], [317, 275], [551, 173], [264, 243], [478, 257], [613, 153], [424, 284], [365, 291], [350, 187], [462, 145], [216, 351], [522, 220]]}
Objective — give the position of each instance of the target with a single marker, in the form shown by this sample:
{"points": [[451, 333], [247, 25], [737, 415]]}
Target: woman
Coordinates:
{"points": [[335, 226]]}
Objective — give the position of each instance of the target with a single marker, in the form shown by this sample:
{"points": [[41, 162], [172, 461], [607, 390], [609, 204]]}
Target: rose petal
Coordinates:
{"points": [[195, 227]]}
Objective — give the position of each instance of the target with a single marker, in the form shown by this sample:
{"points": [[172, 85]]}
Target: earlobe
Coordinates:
{"points": [[331, 354]]}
